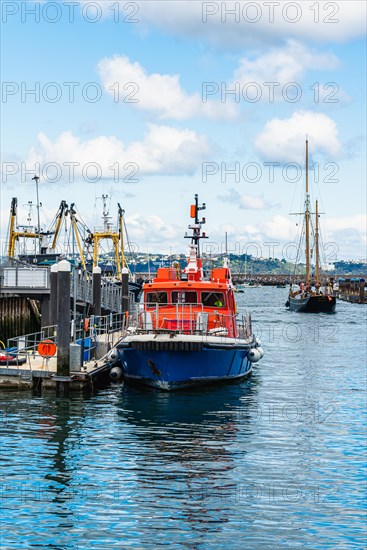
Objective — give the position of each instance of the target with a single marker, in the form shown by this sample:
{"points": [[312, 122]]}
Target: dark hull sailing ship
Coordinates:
{"points": [[310, 296], [313, 304]]}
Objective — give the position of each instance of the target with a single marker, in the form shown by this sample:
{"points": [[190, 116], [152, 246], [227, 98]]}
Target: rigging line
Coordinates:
{"points": [[8, 236], [294, 194], [128, 242], [300, 240], [317, 182]]}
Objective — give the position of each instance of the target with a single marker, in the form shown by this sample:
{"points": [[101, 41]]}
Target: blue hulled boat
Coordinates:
{"points": [[186, 332]]}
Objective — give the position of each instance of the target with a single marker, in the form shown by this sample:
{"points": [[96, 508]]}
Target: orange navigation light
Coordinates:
{"points": [[193, 211]]}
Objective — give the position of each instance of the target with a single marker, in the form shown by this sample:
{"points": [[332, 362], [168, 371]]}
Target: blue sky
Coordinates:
{"points": [[173, 53]]}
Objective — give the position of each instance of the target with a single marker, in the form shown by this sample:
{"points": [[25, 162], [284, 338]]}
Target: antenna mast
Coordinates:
{"points": [[196, 227], [36, 179]]}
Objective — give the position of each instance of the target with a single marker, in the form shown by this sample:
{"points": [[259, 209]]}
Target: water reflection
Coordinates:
{"points": [[186, 447], [39, 483], [277, 461]]}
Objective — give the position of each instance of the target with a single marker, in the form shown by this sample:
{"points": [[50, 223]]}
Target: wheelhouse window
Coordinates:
{"points": [[153, 298], [213, 299], [188, 297]]}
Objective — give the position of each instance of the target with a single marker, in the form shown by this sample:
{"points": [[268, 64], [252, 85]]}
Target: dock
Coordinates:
{"points": [[83, 315], [27, 369], [352, 289]]}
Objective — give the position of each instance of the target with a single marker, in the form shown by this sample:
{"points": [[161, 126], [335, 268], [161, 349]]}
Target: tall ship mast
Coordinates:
{"points": [[310, 296]]}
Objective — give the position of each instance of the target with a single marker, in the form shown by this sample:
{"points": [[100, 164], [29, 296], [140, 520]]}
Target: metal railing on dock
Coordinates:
{"points": [[35, 281], [85, 332]]}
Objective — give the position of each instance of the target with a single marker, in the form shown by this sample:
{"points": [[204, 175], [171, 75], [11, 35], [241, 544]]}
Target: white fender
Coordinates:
{"points": [[254, 355], [113, 355], [261, 351], [116, 374], [258, 341]]}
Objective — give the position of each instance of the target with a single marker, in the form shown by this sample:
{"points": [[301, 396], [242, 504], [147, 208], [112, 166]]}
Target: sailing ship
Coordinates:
{"points": [[310, 296], [187, 332]]}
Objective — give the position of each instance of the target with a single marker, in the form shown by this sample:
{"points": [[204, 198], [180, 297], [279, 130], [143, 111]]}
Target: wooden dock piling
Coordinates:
{"points": [[125, 289], [53, 294], [97, 278], [64, 318]]}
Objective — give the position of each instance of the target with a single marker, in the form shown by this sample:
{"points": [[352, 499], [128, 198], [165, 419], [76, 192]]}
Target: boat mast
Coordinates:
{"points": [[317, 243], [196, 227], [121, 231], [307, 219], [36, 179]]}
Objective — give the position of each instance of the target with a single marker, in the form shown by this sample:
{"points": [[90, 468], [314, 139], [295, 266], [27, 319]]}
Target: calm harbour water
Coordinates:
{"points": [[277, 461]]}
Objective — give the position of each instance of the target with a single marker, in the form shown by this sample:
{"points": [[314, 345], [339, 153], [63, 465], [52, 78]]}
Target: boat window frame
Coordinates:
{"points": [[195, 302], [217, 295], [156, 293]]}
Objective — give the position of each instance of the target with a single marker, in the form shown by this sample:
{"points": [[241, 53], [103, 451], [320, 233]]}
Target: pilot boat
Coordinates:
{"points": [[187, 331]]}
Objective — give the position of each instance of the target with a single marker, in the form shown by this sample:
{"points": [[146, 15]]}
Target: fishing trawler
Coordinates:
{"points": [[32, 245], [186, 332], [112, 266], [310, 295]]}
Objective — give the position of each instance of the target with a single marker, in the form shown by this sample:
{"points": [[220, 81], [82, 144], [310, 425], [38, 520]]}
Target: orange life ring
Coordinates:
{"points": [[46, 348], [86, 324]]}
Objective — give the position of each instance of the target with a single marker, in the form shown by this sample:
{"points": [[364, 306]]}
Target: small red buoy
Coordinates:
{"points": [[46, 348]]}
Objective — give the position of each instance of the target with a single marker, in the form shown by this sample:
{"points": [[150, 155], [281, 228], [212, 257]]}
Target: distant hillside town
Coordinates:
{"points": [[244, 264]]}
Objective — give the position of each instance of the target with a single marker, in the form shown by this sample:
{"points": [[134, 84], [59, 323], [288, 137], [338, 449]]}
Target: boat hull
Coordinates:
{"points": [[313, 304], [171, 369]]}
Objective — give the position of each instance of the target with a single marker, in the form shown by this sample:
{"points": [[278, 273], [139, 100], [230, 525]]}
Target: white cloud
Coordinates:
{"points": [[246, 201], [358, 222], [161, 94], [152, 230], [276, 228], [283, 65], [282, 140], [279, 67], [344, 238], [164, 150], [209, 21]]}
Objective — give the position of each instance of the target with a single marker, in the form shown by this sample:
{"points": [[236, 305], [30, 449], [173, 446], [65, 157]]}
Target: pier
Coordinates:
{"points": [[353, 290], [82, 316], [36, 283], [33, 362], [265, 279]]}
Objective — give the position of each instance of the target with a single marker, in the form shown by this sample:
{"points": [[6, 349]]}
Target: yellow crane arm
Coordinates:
{"points": [[121, 231], [59, 218], [12, 233]]}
